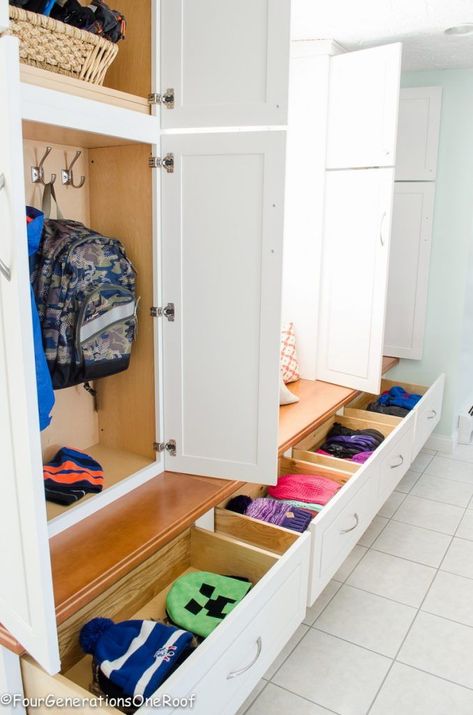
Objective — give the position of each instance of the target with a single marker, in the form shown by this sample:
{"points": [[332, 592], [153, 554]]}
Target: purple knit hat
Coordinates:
{"points": [[279, 513]]}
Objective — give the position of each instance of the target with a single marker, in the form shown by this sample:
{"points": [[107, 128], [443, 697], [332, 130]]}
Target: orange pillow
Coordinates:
{"points": [[289, 362]]}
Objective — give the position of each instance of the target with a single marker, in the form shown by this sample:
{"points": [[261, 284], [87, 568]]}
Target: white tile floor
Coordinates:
{"points": [[392, 634]]}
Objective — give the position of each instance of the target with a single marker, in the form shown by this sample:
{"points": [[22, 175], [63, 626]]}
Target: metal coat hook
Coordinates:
{"points": [[68, 176], [37, 172]]}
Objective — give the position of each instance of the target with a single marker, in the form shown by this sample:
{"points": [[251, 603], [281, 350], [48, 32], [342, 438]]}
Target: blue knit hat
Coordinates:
{"points": [[137, 656]]}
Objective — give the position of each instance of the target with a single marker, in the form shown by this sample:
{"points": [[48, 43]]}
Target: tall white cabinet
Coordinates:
{"points": [[413, 215], [336, 278], [208, 236]]}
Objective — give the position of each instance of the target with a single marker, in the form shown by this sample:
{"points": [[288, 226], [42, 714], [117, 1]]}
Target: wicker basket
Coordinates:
{"points": [[55, 46]]}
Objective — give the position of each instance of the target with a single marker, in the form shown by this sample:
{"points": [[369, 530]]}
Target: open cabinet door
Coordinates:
{"points": [[363, 108], [26, 595], [222, 226], [227, 62], [354, 277]]}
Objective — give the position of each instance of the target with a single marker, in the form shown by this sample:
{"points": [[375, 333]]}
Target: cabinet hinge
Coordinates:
{"points": [[169, 447], [168, 311], [165, 162], [166, 99]]}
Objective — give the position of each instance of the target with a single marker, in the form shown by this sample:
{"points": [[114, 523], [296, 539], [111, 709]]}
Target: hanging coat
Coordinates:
{"points": [[43, 378]]}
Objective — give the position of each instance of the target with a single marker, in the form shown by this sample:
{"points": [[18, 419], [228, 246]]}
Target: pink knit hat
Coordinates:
{"points": [[305, 487]]}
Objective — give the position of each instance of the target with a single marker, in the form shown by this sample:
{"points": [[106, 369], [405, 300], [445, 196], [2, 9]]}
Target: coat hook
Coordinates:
{"points": [[68, 176], [37, 172]]}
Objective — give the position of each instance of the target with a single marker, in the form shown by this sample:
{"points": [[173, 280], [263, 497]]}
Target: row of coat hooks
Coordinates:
{"points": [[67, 174]]}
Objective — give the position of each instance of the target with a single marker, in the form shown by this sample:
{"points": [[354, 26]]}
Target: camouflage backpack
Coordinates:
{"points": [[85, 291]]}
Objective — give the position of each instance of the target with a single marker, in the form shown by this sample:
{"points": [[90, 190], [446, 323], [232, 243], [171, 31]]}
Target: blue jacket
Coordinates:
{"points": [[43, 378]]}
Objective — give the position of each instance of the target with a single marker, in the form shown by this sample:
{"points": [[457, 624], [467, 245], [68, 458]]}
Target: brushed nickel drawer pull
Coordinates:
{"points": [[432, 415], [352, 528], [395, 466], [236, 673]]}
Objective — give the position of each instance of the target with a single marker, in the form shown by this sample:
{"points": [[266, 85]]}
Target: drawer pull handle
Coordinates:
{"points": [[4, 269], [395, 466], [236, 673], [352, 528], [432, 414]]}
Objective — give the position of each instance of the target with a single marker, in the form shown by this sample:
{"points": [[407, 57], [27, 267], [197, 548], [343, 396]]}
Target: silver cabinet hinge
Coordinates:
{"points": [[168, 311], [165, 162], [169, 447], [166, 99]]}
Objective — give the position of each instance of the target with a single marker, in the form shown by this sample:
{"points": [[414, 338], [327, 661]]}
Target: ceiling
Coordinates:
{"points": [[419, 24]]}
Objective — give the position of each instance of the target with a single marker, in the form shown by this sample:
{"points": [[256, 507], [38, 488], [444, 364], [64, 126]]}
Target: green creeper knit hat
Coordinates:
{"points": [[199, 601]]}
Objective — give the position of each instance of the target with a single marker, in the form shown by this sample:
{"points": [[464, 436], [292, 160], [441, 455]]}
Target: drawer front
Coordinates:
{"points": [[252, 637], [337, 529], [428, 412], [347, 528], [229, 663], [397, 459]]}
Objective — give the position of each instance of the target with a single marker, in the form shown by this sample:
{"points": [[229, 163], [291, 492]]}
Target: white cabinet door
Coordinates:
{"points": [[409, 268], [227, 62], [222, 228], [363, 107], [418, 133], [26, 595], [3, 15], [354, 277]]}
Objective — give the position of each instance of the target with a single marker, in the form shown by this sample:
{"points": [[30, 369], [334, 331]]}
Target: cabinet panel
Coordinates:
{"points": [[222, 226], [26, 597], [409, 269], [227, 62], [418, 133], [354, 275], [363, 107]]}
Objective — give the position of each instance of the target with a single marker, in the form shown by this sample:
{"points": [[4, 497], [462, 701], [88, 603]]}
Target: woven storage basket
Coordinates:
{"points": [[55, 46]]}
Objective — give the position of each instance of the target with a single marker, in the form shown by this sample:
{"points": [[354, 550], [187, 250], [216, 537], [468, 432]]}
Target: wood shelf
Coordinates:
{"points": [[79, 88], [318, 401]]}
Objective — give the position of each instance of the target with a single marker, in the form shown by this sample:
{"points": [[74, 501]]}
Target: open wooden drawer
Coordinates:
{"points": [[427, 412], [365, 487], [228, 664]]}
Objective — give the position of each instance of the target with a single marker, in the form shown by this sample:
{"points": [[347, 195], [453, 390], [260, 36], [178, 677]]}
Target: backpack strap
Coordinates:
{"points": [[48, 194]]}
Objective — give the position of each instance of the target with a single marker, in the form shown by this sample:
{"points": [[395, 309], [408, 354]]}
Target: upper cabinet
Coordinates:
{"points": [[363, 108], [354, 275], [227, 63], [26, 596], [222, 225], [418, 133]]}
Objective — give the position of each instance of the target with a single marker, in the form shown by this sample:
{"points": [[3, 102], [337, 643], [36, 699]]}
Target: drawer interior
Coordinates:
{"points": [[362, 401], [354, 419], [270, 536], [142, 593]]}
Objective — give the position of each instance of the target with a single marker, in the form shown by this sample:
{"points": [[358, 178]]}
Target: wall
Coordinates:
{"points": [[448, 345]]}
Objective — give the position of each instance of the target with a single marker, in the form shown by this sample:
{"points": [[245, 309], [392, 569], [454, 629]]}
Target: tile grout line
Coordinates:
{"points": [[302, 697], [419, 610]]}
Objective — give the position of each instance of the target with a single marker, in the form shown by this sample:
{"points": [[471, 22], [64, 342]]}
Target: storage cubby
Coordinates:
{"points": [[128, 81], [119, 427]]}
